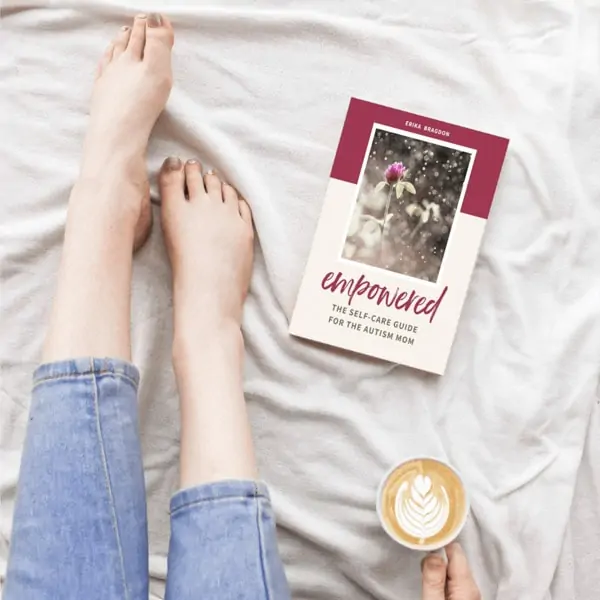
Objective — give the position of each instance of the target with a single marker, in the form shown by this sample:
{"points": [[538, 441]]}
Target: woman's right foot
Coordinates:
{"points": [[209, 238], [208, 234]]}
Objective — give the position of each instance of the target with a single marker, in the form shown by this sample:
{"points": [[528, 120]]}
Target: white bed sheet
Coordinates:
{"points": [[578, 572], [261, 92]]}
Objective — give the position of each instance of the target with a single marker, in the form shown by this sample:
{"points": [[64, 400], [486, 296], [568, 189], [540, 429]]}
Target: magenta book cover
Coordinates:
{"points": [[400, 229]]}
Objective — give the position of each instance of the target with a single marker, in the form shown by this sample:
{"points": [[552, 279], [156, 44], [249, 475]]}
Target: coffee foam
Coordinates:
{"points": [[423, 503]]}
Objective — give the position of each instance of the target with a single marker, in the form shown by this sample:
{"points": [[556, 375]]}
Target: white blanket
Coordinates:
{"points": [[261, 92]]}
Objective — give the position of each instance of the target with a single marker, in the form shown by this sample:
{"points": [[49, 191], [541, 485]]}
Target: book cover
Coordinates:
{"points": [[398, 237]]}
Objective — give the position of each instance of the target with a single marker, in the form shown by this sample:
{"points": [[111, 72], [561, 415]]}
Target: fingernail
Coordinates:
{"points": [[454, 547], [154, 20], [433, 561], [173, 163]]}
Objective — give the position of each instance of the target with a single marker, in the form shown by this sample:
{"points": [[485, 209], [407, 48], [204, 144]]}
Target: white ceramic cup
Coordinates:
{"points": [[440, 544]]}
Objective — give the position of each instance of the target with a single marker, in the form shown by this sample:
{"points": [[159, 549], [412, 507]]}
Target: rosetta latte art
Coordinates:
{"points": [[422, 508]]}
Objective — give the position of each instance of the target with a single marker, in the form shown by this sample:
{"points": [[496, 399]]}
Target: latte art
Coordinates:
{"points": [[421, 510], [422, 504]]}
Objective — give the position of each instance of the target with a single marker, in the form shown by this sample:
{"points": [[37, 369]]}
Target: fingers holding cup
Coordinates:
{"points": [[434, 570], [461, 583]]}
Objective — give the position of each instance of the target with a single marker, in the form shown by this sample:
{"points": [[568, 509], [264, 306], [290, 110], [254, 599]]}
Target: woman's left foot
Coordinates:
{"points": [[109, 213], [132, 86]]}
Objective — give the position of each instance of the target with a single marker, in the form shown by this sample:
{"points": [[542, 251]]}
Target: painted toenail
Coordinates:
{"points": [[173, 163], [154, 20]]}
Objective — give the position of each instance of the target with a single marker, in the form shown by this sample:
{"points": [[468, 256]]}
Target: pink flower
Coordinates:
{"points": [[394, 172]]}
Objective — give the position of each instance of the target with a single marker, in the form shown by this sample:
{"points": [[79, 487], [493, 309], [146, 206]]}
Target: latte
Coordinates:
{"points": [[422, 504]]}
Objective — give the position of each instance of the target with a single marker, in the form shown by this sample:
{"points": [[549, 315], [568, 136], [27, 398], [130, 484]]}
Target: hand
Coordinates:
{"points": [[452, 581]]}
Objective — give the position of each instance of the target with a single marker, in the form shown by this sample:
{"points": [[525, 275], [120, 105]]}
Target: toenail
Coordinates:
{"points": [[125, 28], [173, 163], [193, 161], [141, 17], [154, 20]]}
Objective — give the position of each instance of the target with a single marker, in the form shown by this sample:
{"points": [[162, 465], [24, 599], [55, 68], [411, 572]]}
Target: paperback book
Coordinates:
{"points": [[399, 233]]}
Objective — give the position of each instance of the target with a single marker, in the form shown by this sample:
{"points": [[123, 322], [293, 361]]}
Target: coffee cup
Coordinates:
{"points": [[422, 503]]}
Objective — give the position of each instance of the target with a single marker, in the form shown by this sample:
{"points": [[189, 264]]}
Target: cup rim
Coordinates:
{"points": [[410, 545]]}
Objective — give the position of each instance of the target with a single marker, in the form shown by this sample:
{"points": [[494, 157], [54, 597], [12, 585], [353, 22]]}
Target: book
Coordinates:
{"points": [[398, 236]]}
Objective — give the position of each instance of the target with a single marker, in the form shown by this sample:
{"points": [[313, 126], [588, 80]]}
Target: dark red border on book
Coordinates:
{"points": [[361, 117]]}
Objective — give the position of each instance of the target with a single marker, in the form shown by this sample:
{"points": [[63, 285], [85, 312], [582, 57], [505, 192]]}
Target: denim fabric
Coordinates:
{"points": [[223, 544], [80, 526]]}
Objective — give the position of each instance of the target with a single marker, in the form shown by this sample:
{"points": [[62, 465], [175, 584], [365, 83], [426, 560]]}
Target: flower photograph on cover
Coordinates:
{"points": [[409, 193]]}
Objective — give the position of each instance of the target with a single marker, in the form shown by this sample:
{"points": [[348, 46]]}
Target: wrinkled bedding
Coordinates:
{"points": [[261, 92]]}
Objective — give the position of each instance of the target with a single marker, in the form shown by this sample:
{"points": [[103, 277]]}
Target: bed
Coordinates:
{"points": [[261, 90]]}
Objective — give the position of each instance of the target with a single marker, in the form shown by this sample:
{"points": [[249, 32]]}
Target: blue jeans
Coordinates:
{"points": [[80, 529]]}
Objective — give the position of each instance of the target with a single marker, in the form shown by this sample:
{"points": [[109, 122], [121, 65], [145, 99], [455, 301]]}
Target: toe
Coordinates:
{"points": [[159, 37], [193, 179], [137, 39], [160, 28], [171, 181], [214, 187], [245, 211], [121, 41], [230, 196]]}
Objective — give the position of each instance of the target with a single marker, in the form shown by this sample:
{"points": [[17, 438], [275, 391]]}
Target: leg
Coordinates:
{"points": [[79, 528], [109, 209], [223, 541]]}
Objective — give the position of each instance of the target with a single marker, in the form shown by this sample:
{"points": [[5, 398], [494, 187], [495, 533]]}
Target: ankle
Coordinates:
{"points": [[201, 310], [111, 192], [125, 159], [206, 341]]}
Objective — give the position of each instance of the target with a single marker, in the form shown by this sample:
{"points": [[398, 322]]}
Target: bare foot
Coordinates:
{"points": [[208, 233], [132, 87], [109, 211]]}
